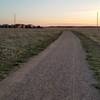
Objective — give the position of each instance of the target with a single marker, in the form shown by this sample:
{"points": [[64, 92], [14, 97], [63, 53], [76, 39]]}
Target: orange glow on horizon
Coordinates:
{"points": [[54, 22], [79, 19]]}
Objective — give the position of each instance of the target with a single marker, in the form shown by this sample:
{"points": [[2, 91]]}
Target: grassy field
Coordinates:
{"points": [[17, 45], [90, 39], [91, 33]]}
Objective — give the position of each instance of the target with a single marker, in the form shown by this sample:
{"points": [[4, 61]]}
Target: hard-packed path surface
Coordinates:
{"points": [[59, 73]]}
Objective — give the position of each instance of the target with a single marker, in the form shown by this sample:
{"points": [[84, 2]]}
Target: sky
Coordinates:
{"points": [[49, 12]]}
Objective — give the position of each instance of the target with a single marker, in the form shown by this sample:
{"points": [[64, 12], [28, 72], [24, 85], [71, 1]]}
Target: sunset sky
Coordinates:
{"points": [[49, 12]]}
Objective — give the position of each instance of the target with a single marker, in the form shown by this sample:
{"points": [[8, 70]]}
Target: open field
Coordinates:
{"points": [[60, 72], [16, 45], [91, 33], [91, 42]]}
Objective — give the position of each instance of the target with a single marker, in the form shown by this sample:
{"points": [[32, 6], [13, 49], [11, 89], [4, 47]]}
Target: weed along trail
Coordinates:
{"points": [[58, 73]]}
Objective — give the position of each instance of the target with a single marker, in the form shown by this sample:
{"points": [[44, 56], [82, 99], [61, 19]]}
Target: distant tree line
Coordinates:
{"points": [[19, 26]]}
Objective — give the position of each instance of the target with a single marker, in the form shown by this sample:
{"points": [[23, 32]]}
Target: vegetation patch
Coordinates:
{"points": [[17, 45], [92, 49]]}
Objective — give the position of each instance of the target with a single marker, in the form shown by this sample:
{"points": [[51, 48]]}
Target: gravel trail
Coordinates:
{"points": [[58, 73]]}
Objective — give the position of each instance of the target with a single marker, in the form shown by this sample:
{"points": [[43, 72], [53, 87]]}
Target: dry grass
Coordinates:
{"points": [[16, 45], [90, 39], [91, 33]]}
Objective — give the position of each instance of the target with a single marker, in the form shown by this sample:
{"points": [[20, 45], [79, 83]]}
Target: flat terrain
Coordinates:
{"points": [[58, 73], [17, 45], [90, 39]]}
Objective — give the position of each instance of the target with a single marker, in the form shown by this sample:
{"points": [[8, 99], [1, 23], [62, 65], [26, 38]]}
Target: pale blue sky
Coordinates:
{"points": [[50, 12]]}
